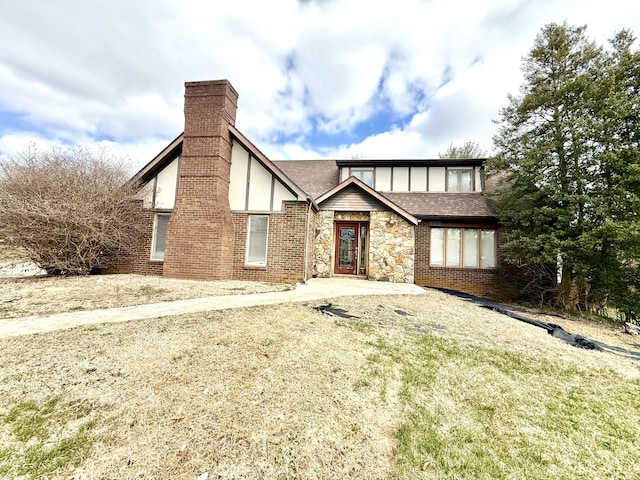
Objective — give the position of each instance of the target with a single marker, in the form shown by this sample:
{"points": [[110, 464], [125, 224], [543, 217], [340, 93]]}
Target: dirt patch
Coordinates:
{"points": [[47, 295]]}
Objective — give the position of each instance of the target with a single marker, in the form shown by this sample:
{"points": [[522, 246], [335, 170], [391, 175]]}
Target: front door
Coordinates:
{"points": [[351, 245]]}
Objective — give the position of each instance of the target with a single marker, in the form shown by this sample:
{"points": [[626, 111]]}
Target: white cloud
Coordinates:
{"points": [[439, 70]]}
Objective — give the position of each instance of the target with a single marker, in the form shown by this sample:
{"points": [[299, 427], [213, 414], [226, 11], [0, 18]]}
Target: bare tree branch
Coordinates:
{"points": [[71, 210]]}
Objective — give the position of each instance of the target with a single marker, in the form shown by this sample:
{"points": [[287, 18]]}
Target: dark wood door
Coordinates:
{"points": [[346, 254]]}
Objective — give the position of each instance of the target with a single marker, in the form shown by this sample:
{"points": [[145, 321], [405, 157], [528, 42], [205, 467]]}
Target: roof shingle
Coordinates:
{"points": [[438, 205], [315, 177]]}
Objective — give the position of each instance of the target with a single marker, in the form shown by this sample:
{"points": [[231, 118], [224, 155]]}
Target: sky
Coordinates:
{"points": [[316, 78]]}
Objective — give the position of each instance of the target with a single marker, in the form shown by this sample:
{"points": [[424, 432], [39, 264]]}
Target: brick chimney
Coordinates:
{"points": [[200, 233]]}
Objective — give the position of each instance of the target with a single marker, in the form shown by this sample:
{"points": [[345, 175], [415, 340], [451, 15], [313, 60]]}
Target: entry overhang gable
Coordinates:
{"points": [[367, 190]]}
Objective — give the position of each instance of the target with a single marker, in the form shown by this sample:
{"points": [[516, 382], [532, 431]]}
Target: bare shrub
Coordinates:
{"points": [[71, 210]]}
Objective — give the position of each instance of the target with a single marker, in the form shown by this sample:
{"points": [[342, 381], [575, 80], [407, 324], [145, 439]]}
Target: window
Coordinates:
{"points": [[463, 247], [159, 236], [363, 174], [459, 180], [257, 234]]}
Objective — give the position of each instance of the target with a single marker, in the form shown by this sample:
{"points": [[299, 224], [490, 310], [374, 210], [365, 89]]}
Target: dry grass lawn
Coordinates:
{"points": [[47, 295], [253, 393], [413, 387], [8, 253]]}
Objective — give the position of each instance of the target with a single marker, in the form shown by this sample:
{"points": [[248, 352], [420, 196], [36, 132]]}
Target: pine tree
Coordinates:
{"points": [[567, 156]]}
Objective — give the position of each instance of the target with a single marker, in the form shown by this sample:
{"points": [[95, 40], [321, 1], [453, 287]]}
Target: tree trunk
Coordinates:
{"points": [[567, 298]]}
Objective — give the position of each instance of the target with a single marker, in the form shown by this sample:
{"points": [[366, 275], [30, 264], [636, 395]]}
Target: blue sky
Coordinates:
{"points": [[317, 79]]}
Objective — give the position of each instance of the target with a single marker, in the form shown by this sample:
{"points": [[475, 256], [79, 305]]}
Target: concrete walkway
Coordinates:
{"points": [[314, 289]]}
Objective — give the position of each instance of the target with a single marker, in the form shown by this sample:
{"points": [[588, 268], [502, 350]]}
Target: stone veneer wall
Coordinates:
{"points": [[391, 244], [391, 248], [323, 244]]}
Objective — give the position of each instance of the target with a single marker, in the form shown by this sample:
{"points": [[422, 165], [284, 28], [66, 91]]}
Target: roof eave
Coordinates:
{"points": [[438, 162], [158, 162], [466, 218]]}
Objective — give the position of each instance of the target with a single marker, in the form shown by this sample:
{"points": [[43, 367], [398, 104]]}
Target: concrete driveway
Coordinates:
{"points": [[314, 289]]}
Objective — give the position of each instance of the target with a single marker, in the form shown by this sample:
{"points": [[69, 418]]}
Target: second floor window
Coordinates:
{"points": [[363, 174], [459, 180]]}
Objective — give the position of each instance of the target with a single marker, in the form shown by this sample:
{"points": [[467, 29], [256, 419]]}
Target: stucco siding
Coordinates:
{"points": [[166, 186], [238, 181], [383, 179], [418, 177], [260, 178], [437, 179], [400, 179], [252, 187]]}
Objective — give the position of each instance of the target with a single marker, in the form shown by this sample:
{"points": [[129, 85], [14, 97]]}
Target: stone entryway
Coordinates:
{"points": [[390, 245]]}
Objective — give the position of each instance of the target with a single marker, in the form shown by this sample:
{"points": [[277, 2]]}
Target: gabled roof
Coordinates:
{"points": [[319, 179], [175, 148], [353, 181]]}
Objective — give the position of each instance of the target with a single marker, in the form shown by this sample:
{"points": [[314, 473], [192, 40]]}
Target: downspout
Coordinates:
{"points": [[306, 239]]}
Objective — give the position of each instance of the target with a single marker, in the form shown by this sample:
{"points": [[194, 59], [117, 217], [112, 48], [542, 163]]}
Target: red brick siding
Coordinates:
{"points": [[200, 234], [285, 248], [477, 281], [139, 263]]}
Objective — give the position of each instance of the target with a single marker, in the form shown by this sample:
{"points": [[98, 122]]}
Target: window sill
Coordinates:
{"points": [[255, 267], [464, 269]]}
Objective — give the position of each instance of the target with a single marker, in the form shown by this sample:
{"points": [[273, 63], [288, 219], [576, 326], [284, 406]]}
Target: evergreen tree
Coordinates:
{"points": [[567, 157]]}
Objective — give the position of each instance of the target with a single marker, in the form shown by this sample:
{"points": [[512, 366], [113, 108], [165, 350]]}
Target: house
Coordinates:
{"points": [[218, 208]]}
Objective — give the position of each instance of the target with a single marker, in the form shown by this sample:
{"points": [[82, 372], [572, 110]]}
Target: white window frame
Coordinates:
{"points": [[263, 262], [154, 253], [458, 171], [461, 248]]}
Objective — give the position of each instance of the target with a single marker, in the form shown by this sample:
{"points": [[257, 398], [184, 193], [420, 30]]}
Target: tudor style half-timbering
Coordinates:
{"points": [[421, 221], [218, 208]]}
